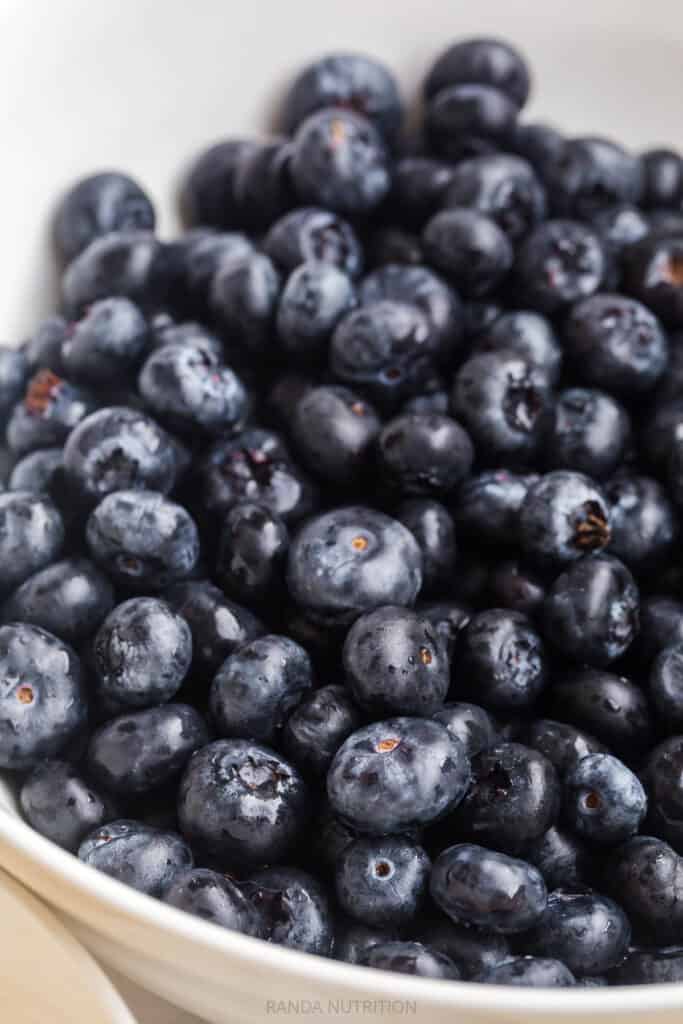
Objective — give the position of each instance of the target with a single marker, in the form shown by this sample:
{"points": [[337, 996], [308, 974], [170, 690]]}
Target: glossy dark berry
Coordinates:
{"points": [[516, 586], [313, 234], [218, 626], [38, 471], [538, 143], [214, 897], [528, 972], [352, 940], [209, 189], [513, 799], [501, 660], [591, 611], [481, 60], [42, 696], [121, 263], [50, 409], [410, 958], [262, 185], [314, 299], [503, 187], [472, 949], [469, 119], [643, 522], [559, 263], [350, 561], [258, 686], [448, 618], [661, 776], [31, 536], [396, 663], [318, 726], [69, 598], [662, 171], [590, 174], [419, 188], [653, 274], [117, 449], [252, 553], [242, 804], [396, 775], [243, 298], [348, 80], [645, 875], [603, 800], [660, 432], [563, 744], [432, 527], [616, 343], [383, 882], [202, 256], [339, 161], [98, 205], [503, 402], [143, 857], [609, 707], [295, 909], [530, 335], [469, 249], [472, 725], [478, 887], [394, 245], [60, 803], [649, 966], [588, 433], [563, 859], [563, 516], [488, 504], [666, 686], [424, 454], [106, 343], [334, 430], [661, 625], [43, 350]]}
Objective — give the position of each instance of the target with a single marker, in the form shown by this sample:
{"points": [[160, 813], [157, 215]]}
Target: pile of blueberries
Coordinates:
{"points": [[342, 602]]}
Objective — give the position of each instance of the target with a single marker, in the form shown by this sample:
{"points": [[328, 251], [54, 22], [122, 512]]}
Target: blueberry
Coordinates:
{"points": [[468, 120], [661, 625], [58, 802], [164, 330], [472, 949], [661, 776], [252, 554], [14, 371], [142, 539], [117, 449], [432, 527], [469, 249], [318, 726], [652, 273], [603, 800], [242, 804], [38, 471], [386, 349], [218, 625], [488, 504], [141, 653], [209, 188], [538, 143], [591, 612], [563, 859], [118, 264], [106, 343], [43, 349], [31, 536], [42, 697], [514, 797], [352, 940], [295, 909], [256, 467], [662, 171], [258, 686], [588, 932], [530, 335], [501, 660], [448, 618], [396, 775], [666, 686], [421, 287], [502, 187], [419, 188], [410, 958], [616, 343], [312, 234], [514, 585], [244, 298], [619, 227], [314, 299], [646, 875], [675, 476], [503, 402], [659, 434], [563, 744], [201, 256], [262, 185], [348, 80], [382, 882], [649, 966], [396, 663], [69, 598], [140, 752], [50, 409], [186, 388], [479, 887], [590, 174], [528, 972], [340, 162], [350, 561], [472, 725], [394, 245], [145, 858], [563, 517], [216, 898], [588, 434], [334, 431], [643, 522], [609, 707], [481, 61], [96, 206], [559, 263], [424, 454]]}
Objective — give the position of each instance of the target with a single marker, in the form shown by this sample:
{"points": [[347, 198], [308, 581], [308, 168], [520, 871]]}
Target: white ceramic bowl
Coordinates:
{"points": [[143, 85]]}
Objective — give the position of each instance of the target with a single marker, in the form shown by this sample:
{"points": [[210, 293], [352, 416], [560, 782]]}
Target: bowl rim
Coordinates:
{"points": [[371, 983]]}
